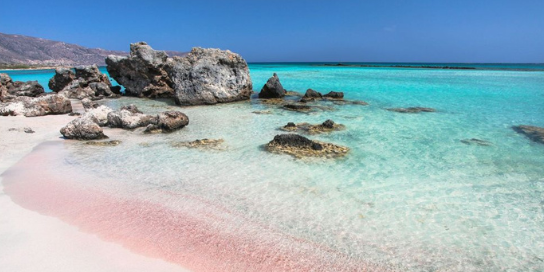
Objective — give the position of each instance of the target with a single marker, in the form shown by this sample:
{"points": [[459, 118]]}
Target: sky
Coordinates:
{"points": [[297, 31]]}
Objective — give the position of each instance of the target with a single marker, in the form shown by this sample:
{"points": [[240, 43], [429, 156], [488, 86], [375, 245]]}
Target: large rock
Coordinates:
{"points": [[86, 82], [83, 128], [129, 117], [300, 146], [536, 134], [272, 88], [169, 121], [10, 89], [204, 76], [39, 106]]}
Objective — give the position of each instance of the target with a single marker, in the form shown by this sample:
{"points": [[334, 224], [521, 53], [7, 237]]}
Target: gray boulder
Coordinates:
{"points": [[83, 128], [61, 79], [168, 121], [129, 117], [38, 106], [10, 89], [204, 76], [272, 88], [86, 82]]}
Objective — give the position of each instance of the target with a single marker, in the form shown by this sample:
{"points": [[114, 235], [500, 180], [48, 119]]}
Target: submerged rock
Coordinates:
{"points": [[272, 88], [204, 76], [327, 126], [475, 141], [202, 143], [262, 112], [412, 110], [300, 146], [297, 107], [536, 134], [38, 106], [104, 143]]}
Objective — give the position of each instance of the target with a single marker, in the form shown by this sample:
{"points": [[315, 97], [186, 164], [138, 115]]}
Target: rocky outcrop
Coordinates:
{"points": [[168, 121], [83, 128], [129, 117], [36, 106], [272, 88], [86, 82], [412, 110], [300, 146], [311, 95], [327, 126], [536, 134], [9, 89], [334, 95], [204, 76]]}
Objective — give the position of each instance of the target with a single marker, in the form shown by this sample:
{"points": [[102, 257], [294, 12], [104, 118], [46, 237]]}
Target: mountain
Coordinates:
{"points": [[31, 51]]}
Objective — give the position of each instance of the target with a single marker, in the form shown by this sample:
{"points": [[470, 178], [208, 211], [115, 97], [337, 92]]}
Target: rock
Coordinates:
{"points": [[29, 88], [327, 126], [202, 143], [412, 110], [272, 88], [74, 114], [129, 117], [299, 146], [104, 143], [89, 104], [169, 121], [262, 112], [38, 106], [28, 130], [142, 72], [334, 95], [61, 79], [83, 128], [475, 141], [116, 90], [86, 82], [312, 94], [348, 102], [536, 134], [297, 107], [204, 76], [100, 114]]}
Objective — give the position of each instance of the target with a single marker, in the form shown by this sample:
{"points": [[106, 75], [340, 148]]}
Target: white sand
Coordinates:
{"points": [[30, 241]]}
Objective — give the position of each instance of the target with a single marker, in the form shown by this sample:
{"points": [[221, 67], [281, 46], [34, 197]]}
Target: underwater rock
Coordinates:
{"points": [[104, 143], [262, 112], [300, 146], [37, 106], [327, 126], [536, 134], [201, 143], [412, 110], [475, 141], [272, 88], [350, 102], [297, 107]]}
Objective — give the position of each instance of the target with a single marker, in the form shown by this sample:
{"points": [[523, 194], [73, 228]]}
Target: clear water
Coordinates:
{"points": [[409, 196]]}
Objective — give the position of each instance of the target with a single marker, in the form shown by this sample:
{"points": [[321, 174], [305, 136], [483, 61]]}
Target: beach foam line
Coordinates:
{"points": [[195, 234]]}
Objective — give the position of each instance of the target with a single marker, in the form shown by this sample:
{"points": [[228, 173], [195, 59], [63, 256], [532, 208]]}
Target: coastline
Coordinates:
{"points": [[53, 244]]}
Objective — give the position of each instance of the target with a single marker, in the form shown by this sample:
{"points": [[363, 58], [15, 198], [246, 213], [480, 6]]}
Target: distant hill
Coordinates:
{"points": [[19, 50]]}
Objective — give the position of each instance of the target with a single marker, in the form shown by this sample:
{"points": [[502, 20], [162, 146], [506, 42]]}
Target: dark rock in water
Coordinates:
{"points": [[86, 82], [262, 112], [347, 102], [300, 146], [312, 94], [412, 110], [168, 121], [297, 107], [202, 144], [272, 88], [327, 126], [104, 143], [36, 106], [475, 141], [334, 95], [204, 76], [61, 79], [83, 128], [536, 134]]}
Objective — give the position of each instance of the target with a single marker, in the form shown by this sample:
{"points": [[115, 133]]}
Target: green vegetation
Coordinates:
{"points": [[7, 66]]}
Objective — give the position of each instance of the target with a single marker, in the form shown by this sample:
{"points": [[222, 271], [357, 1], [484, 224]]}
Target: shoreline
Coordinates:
{"points": [[28, 233]]}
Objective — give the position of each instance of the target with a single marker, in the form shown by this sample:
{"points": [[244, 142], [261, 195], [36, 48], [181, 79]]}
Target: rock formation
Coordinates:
{"points": [[300, 146], [83, 128], [36, 106], [204, 76], [334, 95], [86, 82], [10, 90], [327, 126], [272, 88], [536, 134]]}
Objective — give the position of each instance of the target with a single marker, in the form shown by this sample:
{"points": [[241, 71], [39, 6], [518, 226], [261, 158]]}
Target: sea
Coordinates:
{"points": [[414, 193]]}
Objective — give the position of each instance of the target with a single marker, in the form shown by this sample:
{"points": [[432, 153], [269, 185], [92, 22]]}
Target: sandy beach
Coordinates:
{"points": [[34, 242]]}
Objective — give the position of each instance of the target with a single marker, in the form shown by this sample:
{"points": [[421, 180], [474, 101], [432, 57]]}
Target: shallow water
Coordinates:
{"points": [[409, 195]]}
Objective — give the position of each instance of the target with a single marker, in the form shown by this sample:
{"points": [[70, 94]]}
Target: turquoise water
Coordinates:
{"points": [[409, 195]]}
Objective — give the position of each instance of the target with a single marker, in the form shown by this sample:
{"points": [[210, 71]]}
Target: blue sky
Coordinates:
{"points": [[275, 31]]}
